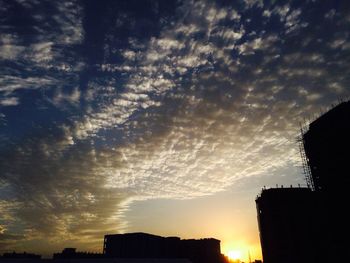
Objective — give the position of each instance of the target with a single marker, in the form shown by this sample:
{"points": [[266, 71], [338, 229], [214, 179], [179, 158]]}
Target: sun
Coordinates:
{"points": [[234, 254]]}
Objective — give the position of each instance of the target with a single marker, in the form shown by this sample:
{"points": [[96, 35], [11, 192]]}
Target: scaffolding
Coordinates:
{"points": [[305, 160]]}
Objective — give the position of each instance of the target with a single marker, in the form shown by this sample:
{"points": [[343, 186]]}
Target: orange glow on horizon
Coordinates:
{"points": [[241, 252], [234, 254]]}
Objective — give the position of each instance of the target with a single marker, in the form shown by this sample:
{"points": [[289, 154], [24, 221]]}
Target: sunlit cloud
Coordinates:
{"points": [[188, 109]]}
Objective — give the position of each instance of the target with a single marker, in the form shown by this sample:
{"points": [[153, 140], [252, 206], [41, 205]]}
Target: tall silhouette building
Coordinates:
{"points": [[312, 224], [327, 146], [327, 157], [286, 218], [143, 245]]}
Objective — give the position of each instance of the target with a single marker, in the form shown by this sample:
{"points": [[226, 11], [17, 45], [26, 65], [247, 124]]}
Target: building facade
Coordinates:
{"points": [[143, 245], [286, 219], [312, 224], [327, 150]]}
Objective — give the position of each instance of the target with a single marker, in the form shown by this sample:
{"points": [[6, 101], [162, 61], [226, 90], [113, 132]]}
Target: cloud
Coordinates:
{"points": [[330, 14], [39, 56], [340, 43], [282, 11], [64, 200], [11, 84], [9, 48], [13, 101], [252, 3], [267, 44], [186, 110], [73, 97], [267, 13]]}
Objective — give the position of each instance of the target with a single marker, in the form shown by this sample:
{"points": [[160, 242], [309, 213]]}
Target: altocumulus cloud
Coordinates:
{"points": [[103, 104]]}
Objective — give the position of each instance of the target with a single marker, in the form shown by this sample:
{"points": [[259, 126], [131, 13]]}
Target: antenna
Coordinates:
{"points": [[250, 260]]}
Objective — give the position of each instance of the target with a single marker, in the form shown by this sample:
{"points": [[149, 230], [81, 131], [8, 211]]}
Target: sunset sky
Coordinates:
{"points": [[165, 117]]}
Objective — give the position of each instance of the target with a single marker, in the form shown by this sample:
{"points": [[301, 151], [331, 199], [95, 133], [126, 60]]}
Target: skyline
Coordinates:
{"points": [[167, 118]]}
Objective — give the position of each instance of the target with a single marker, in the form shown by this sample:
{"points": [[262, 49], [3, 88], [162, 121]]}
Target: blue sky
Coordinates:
{"points": [[109, 108]]}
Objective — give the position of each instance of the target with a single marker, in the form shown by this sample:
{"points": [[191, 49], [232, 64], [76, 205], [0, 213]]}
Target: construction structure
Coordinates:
{"points": [[311, 224], [326, 149], [326, 145]]}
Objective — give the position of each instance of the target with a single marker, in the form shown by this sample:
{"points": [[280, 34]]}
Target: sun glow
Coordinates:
{"points": [[234, 254], [241, 250]]}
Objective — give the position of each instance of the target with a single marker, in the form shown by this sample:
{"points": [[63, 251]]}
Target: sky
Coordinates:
{"points": [[165, 117]]}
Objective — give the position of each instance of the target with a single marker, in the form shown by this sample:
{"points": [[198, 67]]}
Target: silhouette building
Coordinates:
{"points": [[135, 248], [142, 245], [20, 256], [327, 157], [71, 253], [286, 219], [327, 145], [312, 224]]}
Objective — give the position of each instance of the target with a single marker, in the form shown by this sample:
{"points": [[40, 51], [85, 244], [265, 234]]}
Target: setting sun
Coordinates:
{"points": [[234, 254]]}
